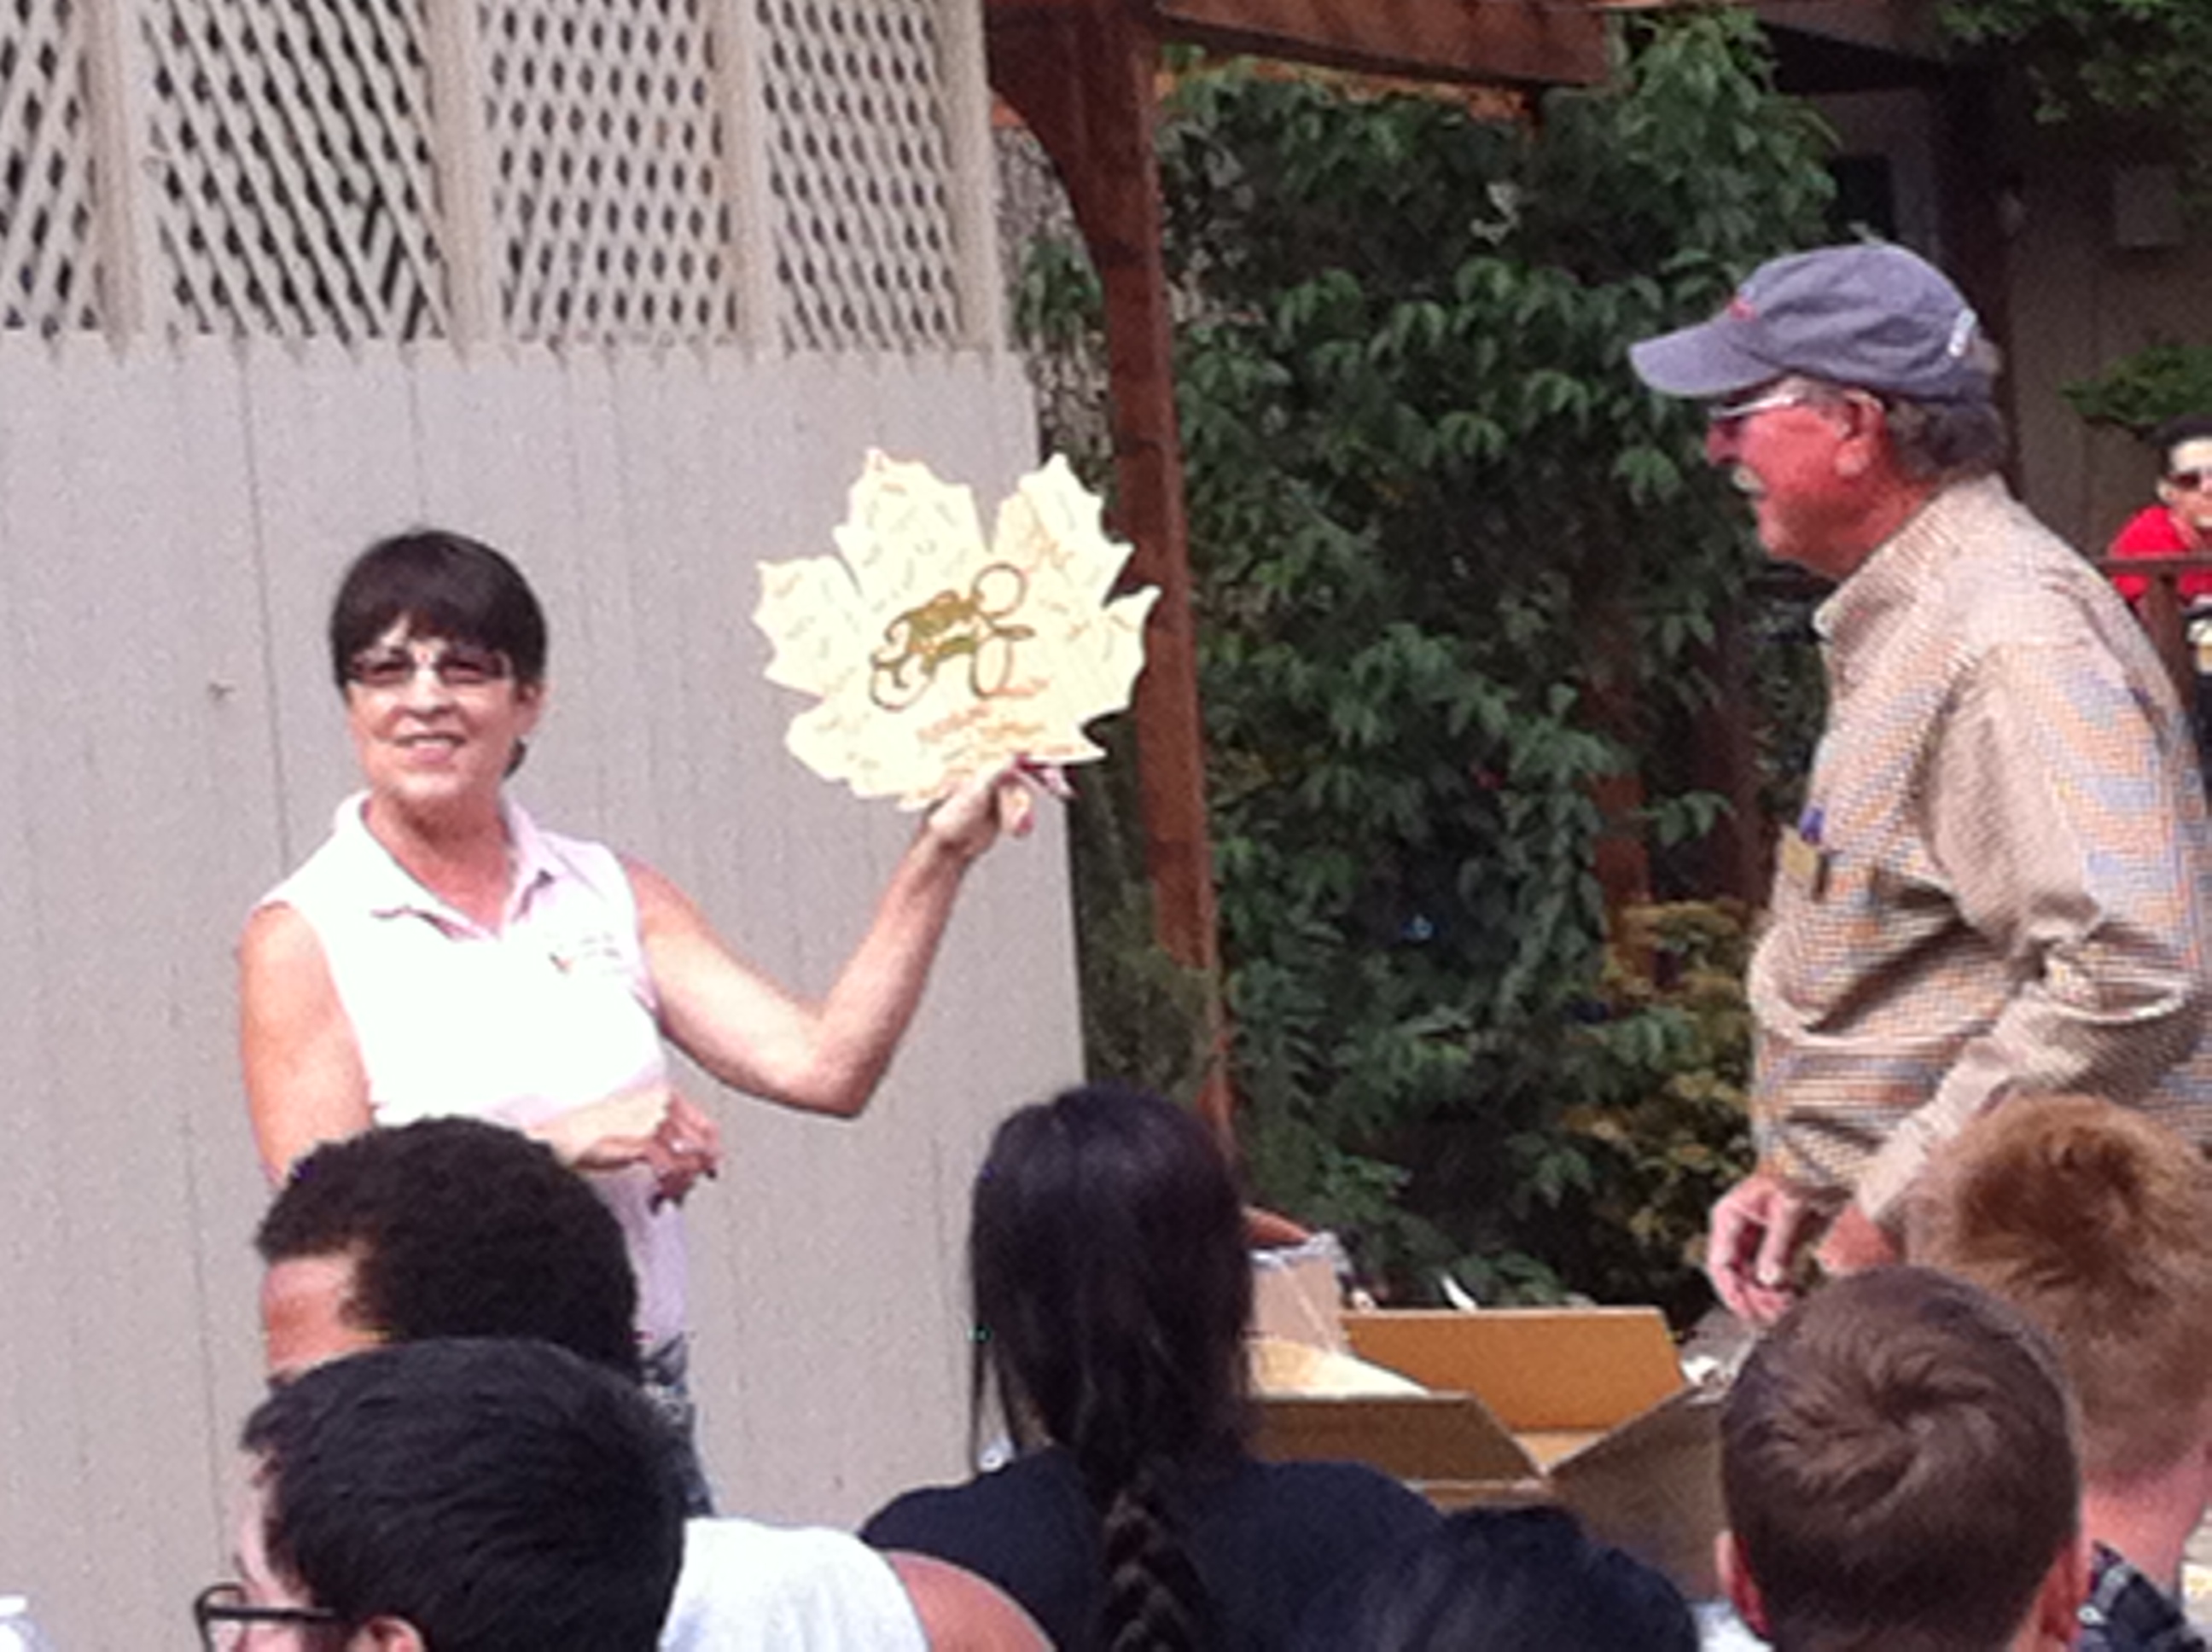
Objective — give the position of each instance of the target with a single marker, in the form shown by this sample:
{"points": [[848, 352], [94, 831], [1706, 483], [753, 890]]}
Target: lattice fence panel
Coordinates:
{"points": [[859, 169], [606, 159], [49, 277], [297, 194]]}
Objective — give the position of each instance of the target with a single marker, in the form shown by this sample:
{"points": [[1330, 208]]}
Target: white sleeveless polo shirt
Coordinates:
{"points": [[553, 1012]]}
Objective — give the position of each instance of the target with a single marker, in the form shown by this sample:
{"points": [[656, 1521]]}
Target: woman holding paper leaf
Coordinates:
{"points": [[441, 954]]}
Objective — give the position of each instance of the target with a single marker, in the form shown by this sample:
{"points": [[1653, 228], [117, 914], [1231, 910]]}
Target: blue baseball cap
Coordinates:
{"points": [[1869, 316]]}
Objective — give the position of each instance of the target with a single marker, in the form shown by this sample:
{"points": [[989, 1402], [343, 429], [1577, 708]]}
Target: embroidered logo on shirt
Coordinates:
{"points": [[595, 954]]}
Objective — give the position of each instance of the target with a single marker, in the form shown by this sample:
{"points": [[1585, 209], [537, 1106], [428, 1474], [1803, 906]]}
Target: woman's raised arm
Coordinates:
{"points": [[826, 1056]]}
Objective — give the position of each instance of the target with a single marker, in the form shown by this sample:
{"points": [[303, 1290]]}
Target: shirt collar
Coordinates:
{"points": [[394, 891], [2122, 1598], [1897, 570]]}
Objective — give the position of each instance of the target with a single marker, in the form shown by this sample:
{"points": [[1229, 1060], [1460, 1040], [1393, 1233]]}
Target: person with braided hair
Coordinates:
{"points": [[1112, 1290]]}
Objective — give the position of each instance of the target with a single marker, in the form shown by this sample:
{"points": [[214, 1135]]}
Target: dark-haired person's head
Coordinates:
{"points": [[442, 1228], [1112, 1285], [1112, 1289], [463, 1496], [1507, 1580], [431, 584], [2188, 427], [1899, 1465], [2184, 468]]}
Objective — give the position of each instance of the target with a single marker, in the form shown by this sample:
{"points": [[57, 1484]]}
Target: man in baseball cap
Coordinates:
{"points": [[2000, 878]]}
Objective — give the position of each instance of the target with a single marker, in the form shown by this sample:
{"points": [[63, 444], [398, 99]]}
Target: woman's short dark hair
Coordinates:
{"points": [[1498, 1580], [441, 584], [1112, 1288]]}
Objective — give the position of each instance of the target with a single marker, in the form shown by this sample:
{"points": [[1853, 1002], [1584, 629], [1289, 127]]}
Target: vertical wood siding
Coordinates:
{"points": [[172, 519]]}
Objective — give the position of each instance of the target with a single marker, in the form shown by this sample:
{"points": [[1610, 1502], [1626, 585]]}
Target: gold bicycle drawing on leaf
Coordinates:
{"points": [[950, 626]]}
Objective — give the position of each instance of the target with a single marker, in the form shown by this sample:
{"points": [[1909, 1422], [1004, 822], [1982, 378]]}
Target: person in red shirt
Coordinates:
{"points": [[2180, 523]]}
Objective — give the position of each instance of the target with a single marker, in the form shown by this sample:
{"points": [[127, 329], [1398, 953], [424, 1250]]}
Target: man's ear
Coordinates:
{"points": [[1865, 441], [1738, 1584], [2057, 1617], [386, 1635]]}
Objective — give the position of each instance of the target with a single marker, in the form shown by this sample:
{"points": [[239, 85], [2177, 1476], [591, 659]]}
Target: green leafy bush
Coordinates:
{"points": [[2085, 58], [2140, 392], [1454, 567], [1439, 527], [2130, 70], [1661, 1124]]}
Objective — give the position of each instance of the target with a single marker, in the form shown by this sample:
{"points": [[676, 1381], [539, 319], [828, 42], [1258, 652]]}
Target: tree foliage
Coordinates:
{"points": [[2140, 392], [2140, 61], [1454, 565]]}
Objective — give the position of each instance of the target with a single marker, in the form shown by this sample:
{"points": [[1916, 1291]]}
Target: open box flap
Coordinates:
{"points": [[1430, 1436], [1652, 1486], [1538, 1369]]}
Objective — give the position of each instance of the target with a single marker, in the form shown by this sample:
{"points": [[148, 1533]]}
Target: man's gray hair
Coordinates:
{"points": [[1946, 441]]}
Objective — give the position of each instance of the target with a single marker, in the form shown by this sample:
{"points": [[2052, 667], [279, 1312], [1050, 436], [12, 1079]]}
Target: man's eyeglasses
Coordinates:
{"points": [[1742, 407], [2189, 482], [224, 1617], [456, 664]]}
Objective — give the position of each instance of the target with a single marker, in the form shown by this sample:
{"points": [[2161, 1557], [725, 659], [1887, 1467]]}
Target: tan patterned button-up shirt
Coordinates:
{"points": [[2002, 877]]}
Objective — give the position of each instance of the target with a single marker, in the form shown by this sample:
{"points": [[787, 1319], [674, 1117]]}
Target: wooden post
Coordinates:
{"points": [[133, 301], [1083, 79], [468, 230], [749, 203], [974, 200], [2161, 611]]}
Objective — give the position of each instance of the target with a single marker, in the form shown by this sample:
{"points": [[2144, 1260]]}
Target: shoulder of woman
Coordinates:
{"points": [[1031, 1483], [277, 935], [1354, 1490], [656, 896]]}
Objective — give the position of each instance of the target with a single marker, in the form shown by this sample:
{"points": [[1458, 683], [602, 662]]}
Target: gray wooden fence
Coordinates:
{"points": [[173, 517]]}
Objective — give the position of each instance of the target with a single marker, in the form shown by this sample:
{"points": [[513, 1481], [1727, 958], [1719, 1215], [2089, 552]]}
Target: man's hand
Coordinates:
{"points": [[1760, 1228], [1856, 1243]]}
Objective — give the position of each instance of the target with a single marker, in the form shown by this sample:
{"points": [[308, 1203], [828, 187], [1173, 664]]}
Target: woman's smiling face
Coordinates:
{"points": [[436, 722]]}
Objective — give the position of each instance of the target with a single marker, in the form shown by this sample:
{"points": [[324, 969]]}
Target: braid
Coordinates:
{"points": [[1154, 1599], [1106, 1251]]}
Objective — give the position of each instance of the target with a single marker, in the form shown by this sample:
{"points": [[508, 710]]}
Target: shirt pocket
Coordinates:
{"points": [[1852, 939]]}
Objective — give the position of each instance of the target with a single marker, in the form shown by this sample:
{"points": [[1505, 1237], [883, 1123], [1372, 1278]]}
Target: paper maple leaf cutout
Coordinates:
{"points": [[936, 656]]}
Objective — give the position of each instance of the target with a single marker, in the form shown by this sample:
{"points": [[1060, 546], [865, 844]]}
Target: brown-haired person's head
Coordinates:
{"points": [[2096, 1223], [1897, 1460]]}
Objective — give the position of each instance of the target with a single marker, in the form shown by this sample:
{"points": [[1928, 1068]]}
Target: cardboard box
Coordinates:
{"points": [[1585, 1406]]}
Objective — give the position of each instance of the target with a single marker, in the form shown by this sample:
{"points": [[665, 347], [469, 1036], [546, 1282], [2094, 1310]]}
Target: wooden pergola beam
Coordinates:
{"points": [[1490, 42]]}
